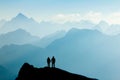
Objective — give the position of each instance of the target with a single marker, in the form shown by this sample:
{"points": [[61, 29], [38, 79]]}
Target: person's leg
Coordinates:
{"points": [[52, 64], [48, 64]]}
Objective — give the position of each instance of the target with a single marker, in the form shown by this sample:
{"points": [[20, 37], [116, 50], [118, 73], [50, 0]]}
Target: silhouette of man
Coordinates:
{"points": [[53, 62], [48, 61]]}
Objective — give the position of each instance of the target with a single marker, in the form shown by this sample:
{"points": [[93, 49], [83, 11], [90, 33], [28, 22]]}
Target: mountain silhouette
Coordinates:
{"points": [[94, 53], [18, 36], [28, 72], [20, 16], [88, 49], [19, 22], [45, 28], [45, 41], [13, 56]]}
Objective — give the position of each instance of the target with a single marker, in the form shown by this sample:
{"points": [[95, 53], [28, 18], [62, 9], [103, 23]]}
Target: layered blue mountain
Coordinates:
{"points": [[83, 24], [87, 52], [94, 53], [45, 41], [13, 56], [20, 21], [30, 25], [44, 28], [19, 37]]}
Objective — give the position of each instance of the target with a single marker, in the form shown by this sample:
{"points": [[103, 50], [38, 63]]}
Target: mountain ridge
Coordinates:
{"points": [[18, 36], [46, 27], [28, 72], [94, 53]]}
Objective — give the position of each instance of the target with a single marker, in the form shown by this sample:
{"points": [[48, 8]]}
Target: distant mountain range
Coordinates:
{"points": [[45, 41], [13, 56], [29, 25], [87, 52], [105, 28], [19, 22], [19, 37], [45, 28], [85, 47], [90, 50]]}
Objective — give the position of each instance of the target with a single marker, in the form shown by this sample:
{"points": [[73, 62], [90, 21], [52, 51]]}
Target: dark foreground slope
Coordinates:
{"points": [[28, 72]]}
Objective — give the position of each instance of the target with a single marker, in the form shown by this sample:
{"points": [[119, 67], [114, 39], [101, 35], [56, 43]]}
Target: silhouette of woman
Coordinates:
{"points": [[48, 61], [53, 62]]}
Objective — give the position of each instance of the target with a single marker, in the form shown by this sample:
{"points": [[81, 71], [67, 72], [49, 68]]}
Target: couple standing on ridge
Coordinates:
{"points": [[52, 60]]}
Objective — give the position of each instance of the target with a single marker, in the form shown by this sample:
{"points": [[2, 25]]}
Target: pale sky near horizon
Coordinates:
{"points": [[63, 10]]}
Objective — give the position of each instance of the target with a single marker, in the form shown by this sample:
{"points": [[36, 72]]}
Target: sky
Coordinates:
{"points": [[61, 11]]}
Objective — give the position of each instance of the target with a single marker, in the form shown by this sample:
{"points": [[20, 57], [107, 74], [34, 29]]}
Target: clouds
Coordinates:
{"points": [[63, 18], [61, 11], [114, 18], [95, 17]]}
